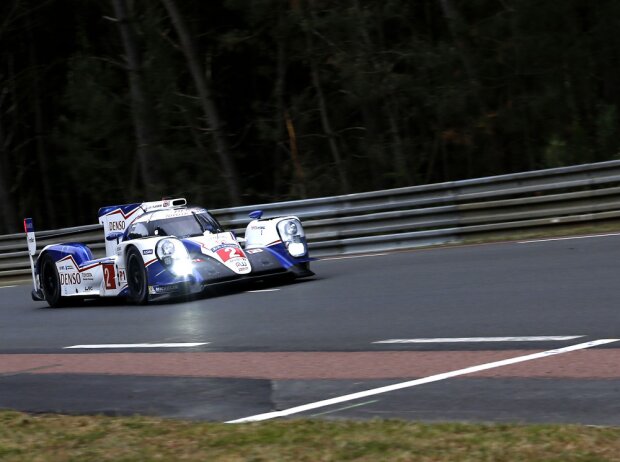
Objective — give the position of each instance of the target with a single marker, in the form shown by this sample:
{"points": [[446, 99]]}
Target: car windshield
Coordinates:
{"points": [[184, 226]]}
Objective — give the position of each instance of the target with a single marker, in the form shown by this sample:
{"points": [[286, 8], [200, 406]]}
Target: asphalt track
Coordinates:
{"points": [[269, 348]]}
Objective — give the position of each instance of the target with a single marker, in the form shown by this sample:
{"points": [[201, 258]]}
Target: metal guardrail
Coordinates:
{"points": [[404, 218]]}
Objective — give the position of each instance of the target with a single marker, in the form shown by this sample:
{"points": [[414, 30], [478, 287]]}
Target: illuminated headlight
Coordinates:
{"points": [[296, 249], [167, 247], [182, 267], [173, 254], [292, 233]]}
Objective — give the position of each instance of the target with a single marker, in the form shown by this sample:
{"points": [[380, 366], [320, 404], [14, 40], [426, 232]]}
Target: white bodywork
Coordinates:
{"points": [[107, 277], [264, 233]]}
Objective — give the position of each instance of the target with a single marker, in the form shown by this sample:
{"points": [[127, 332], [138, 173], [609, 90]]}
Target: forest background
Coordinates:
{"points": [[248, 101]]}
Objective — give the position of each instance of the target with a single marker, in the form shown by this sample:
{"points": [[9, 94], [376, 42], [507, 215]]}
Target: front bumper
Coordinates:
{"points": [[210, 273], [263, 263]]}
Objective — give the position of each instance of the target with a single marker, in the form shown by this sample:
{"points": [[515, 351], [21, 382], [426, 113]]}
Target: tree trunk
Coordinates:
{"points": [[40, 147], [374, 98], [455, 26], [278, 94], [327, 128], [141, 108], [7, 213], [324, 115], [299, 172], [7, 220], [207, 102], [403, 175]]}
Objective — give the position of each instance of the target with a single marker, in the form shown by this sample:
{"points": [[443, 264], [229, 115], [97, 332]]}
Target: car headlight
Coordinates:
{"points": [[167, 247], [292, 234], [173, 254], [291, 228]]}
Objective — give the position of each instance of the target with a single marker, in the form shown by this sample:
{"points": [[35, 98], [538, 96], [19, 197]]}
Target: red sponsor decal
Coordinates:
{"points": [[228, 253], [109, 276]]}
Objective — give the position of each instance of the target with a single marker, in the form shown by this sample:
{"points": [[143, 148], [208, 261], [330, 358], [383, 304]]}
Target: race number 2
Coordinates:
{"points": [[228, 253], [109, 276]]}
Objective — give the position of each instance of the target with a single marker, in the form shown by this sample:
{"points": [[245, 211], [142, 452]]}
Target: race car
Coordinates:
{"points": [[166, 248]]}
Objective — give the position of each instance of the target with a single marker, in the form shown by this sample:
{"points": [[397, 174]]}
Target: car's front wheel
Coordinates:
{"points": [[50, 282], [137, 283]]}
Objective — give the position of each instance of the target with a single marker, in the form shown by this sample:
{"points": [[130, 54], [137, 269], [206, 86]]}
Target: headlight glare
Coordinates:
{"points": [[182, 267], [296, 249], [173, 254]]}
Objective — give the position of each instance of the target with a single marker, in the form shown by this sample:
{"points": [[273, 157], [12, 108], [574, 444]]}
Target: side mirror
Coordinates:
{"points": [[256, 215], [114, 236]]}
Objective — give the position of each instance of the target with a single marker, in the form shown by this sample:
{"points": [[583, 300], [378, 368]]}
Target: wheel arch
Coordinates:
{"points": [[50, 287], [144, 295], [128, 248], [79, 252]]}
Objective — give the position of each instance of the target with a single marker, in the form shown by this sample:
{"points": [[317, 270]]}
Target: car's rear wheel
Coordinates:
{"points": [[137, 283], [50, 282]]}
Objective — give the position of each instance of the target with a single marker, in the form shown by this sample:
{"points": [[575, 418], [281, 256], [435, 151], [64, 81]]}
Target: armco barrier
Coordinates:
{"points": [[405, 217]]}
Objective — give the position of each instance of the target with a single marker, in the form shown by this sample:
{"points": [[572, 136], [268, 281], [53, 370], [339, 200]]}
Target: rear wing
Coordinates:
{"points": [[32, 247], [29, 230], [117, 218]]}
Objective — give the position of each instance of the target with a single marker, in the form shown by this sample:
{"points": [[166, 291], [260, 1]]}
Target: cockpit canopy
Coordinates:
{"points": [[180, 223]]}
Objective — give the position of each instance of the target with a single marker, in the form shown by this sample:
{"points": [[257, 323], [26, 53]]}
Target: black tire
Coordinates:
{"points": [[50, 282], [137, 282]]}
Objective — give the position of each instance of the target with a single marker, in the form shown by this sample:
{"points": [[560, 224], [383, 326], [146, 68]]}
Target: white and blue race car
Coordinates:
{"points": [[165, 248]]}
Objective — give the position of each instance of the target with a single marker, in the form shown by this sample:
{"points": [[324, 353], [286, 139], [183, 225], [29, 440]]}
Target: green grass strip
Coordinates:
{"points": [[53, 438]]}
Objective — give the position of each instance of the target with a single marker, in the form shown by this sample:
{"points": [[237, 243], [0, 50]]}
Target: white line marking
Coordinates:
{"points": [[331, 411], [263, 290], [568, 238], [6, 287], [422, 381], [354, 256], [137, 345], [481, 339]]}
